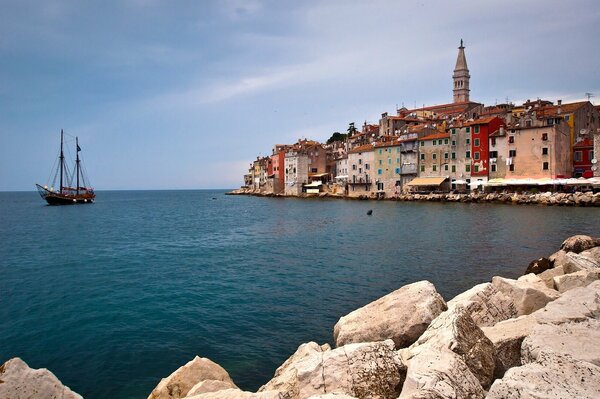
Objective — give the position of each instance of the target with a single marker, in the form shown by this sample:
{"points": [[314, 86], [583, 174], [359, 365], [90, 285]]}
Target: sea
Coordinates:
{"points": [[113, 296]]}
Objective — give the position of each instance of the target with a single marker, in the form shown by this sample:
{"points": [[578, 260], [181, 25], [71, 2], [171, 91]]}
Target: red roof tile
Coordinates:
{"points": [[435, 136]]}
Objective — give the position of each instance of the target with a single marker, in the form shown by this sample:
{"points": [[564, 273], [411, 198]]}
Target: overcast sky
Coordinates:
{"points": [[169, 95]]}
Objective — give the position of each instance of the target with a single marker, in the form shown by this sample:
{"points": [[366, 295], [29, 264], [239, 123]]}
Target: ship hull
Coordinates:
{"points": [[53, 198]]}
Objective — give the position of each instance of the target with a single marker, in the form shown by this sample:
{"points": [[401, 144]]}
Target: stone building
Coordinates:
{"points": [[360, 167], [498, 144], [387, 167], [296, 171], [539, 150], [434, 161]]}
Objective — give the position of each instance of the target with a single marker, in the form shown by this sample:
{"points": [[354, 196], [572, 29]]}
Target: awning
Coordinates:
{"points": [[317, 174], [341, 177], [314, 184], [427, 181], [459, 182]]}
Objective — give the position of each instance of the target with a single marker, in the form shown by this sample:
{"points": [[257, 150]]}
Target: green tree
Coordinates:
{"points": [[351, 129], [337, 136]]}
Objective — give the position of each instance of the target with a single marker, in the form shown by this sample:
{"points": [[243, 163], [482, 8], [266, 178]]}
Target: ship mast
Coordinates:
{"points": [[77, 162], [62, 160]]}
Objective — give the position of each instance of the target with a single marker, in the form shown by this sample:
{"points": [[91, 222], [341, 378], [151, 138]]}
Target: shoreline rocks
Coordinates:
{"points": [[535, 336], [577, 198]]}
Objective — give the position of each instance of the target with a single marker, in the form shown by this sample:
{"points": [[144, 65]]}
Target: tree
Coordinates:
{"points": [[337, 136], [351, 129]]}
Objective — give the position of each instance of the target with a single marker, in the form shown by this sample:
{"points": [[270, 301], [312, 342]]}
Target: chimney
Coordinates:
{"points": [[559, 102]]}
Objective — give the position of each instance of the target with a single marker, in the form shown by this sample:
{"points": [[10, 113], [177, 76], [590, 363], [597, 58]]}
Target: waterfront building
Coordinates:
{"points": [[296, 171], [538, 148], [583, 153], [360, 163], [278, 166], [387, 167], [480, 130], [434, 161], [460, 155], [498, 145], [409, 157]]}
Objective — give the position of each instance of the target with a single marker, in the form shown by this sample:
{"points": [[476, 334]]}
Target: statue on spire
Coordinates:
{"points": [[461, 44]]}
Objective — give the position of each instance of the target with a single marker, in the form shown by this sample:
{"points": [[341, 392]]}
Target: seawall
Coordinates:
{"points": [[577, 198]]}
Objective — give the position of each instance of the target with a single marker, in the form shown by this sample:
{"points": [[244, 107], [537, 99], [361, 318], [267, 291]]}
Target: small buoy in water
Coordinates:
{"points": [[370, 212]]}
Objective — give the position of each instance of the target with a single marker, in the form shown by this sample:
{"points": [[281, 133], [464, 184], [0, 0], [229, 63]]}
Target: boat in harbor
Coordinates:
{"points": [[73, 187]]}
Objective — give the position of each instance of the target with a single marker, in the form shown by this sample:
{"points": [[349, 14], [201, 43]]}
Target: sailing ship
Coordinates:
{"points": [[68, 193]]}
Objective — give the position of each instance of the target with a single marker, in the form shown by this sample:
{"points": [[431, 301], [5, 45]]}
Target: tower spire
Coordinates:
{"points": [[461, 76]]}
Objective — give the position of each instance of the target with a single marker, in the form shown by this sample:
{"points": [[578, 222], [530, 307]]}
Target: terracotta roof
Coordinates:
{"points": [[387, 144], [362, 148], [480, 121], [550, 111], [584, 143], [457, 106], [435, 136]]}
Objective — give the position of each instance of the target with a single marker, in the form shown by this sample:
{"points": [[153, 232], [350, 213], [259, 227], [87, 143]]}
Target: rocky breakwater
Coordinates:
{"points": [[534, 337], [547, 198]]}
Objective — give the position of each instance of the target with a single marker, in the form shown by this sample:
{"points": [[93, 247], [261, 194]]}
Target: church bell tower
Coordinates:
{"points": [[461, 76]]}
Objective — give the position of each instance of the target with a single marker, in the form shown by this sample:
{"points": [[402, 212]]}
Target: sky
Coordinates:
{"points": [[185, 94]]}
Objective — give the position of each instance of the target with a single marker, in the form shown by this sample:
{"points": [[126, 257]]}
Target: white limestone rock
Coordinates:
{"points": [[210, 386], [178, 384], [455, 330], [551, 376], [527, 296], [19, 381], [285, 378], [547, 276], [576, 305], [333, 396], [238, 394], [440, 374], [507, 337], [402, 316], [579, 243], [581, 278], [486, 304], [579, 340], [362, 370], [575, 262]]}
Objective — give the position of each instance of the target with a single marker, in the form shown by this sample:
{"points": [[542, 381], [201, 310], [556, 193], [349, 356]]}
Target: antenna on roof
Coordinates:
{"points": [[589, 95]]}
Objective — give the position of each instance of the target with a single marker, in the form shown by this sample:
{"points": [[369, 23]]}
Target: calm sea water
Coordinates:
{"points": [[115, 295]]}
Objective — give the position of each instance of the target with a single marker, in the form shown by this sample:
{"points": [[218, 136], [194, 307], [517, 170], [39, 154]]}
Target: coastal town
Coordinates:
{"points": [[460, 147]]}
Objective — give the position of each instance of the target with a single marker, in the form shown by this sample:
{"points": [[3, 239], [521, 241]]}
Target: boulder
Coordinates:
{"points": [[539, 265], [362, 370], [579, 243], [237, 394], [179, 383], [557, 258], [456, 331], [581, 278], [576, 305], [210, 386], [333, 396], [575, 262], [440, 374], [550, 376], [526, 296], [402, 316], [18, 380], [486, 304], [593, 254], [547, 277], [286, 375], [507, 337], [579, 340]]}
